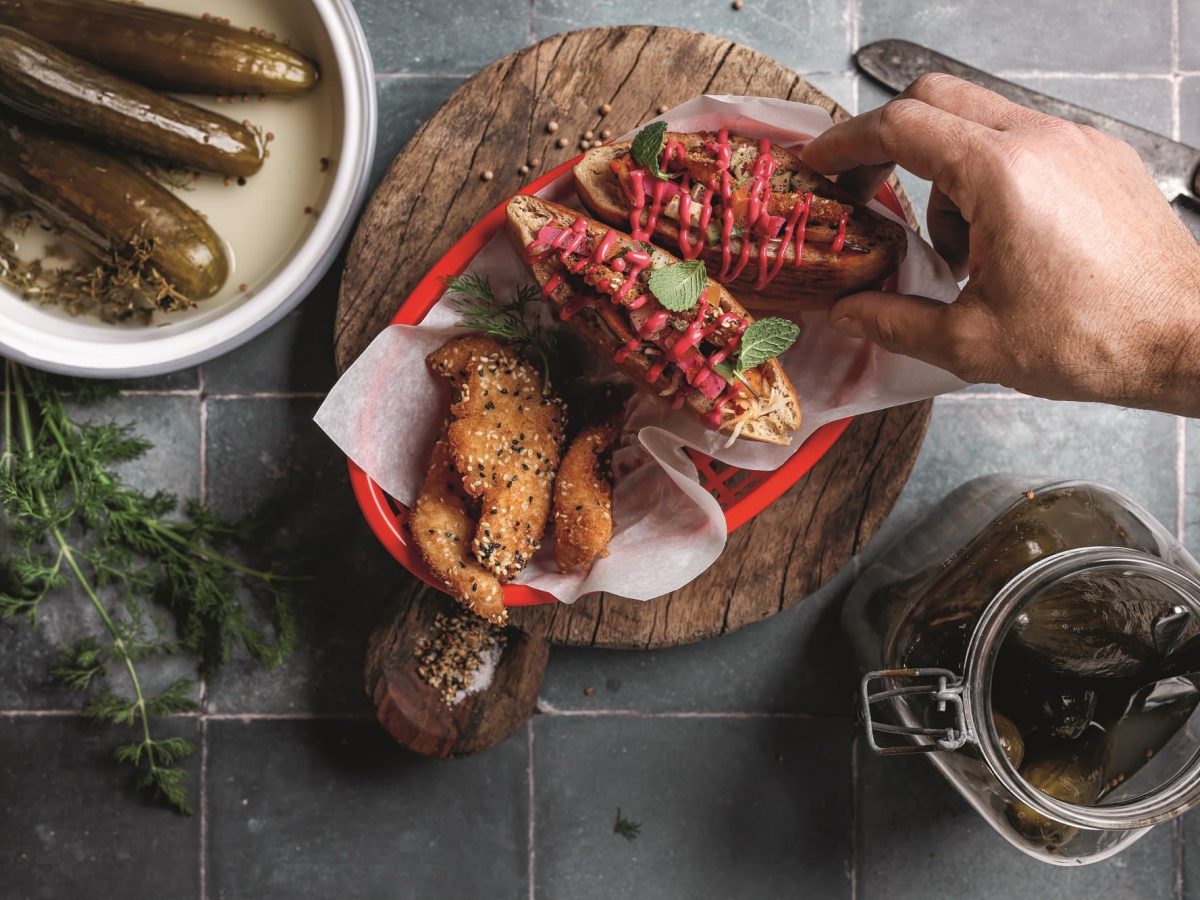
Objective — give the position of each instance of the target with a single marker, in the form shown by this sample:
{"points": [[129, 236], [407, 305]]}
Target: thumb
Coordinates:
{"points": [[947, 335]]}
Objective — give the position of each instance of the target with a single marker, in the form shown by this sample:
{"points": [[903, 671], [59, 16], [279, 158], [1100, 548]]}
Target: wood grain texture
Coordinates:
{"points": [[432, 193], [415, 714]]}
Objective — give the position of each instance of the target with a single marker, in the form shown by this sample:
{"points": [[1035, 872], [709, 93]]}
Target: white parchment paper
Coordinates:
{"points": [[385, 411]]}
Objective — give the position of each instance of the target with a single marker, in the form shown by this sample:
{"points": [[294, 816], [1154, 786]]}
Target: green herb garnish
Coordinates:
{"points": [[678, 286], [626, 828], [765, 340], [518, 320], [70, 522], [648, 146]]}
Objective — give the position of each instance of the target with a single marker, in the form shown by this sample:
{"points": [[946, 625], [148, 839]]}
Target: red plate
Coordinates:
{"points": [[742, 494]]}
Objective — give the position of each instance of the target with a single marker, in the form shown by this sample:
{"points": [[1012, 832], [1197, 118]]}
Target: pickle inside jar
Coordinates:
{"points": [[1089, 724]]}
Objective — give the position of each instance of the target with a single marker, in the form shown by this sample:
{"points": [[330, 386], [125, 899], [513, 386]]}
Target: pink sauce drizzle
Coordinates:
{"points": [[683, 351], [759, 223]]}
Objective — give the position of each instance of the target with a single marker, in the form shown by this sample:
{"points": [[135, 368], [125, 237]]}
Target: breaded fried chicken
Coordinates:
{"points": [[506, 435], [583, 498], [442, 524]]}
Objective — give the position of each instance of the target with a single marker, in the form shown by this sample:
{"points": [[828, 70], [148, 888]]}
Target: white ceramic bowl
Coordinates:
{"points": [[290, 220]]}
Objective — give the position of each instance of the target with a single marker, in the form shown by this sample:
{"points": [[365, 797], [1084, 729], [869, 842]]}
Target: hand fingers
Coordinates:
{"points": [[970, 101], [949, 336], [863, 183], [930, 142], [949, 232]]}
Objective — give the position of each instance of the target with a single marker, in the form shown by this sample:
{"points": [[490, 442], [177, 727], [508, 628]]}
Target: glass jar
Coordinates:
{"points": [[1040, 640]]}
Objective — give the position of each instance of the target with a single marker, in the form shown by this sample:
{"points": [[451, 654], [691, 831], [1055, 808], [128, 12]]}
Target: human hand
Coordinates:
{"points": [[1084, 284]]}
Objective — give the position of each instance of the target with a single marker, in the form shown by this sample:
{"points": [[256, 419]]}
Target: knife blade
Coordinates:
{"points": [[896, 64]]}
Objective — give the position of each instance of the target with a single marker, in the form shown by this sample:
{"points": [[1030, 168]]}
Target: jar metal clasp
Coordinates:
{"points": [[942, 686]]}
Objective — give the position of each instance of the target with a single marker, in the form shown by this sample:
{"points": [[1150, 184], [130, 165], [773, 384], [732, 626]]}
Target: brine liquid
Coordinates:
{"points": [[263, 221]]}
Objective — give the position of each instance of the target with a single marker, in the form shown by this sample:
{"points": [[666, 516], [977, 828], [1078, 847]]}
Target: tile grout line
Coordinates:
{"points": [[853, 10], [1012, 74], [546, 709], [231, 395], [197, 715], [531, 832], [203, 687], [203, 814], [203, 440], [271, 395], [1177, 841], [1176, 80], [854, 815]]}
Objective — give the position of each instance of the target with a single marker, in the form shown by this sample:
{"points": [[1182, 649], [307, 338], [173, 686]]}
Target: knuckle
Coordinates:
{"points": [[887, 332], [896, 116], [931, 86], [964, 354]]}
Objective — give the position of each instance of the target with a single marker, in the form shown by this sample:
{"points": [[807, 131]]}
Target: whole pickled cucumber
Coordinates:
{"points": [[1070, 771], [102, 201], [1101, 627], [46, 84], [162, 49], [1011, 741]]}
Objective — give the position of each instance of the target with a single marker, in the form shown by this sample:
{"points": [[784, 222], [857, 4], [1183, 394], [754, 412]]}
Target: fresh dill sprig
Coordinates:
{"points": [[70, 520], [626, 828], [517, 320]]}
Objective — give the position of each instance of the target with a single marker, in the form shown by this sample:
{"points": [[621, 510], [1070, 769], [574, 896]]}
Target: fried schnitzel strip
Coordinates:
{"points": [[442, 522], [583, 521], [506, 436]]}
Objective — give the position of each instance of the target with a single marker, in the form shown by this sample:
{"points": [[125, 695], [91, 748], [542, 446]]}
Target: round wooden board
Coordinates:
{"points": [[433, 192]]}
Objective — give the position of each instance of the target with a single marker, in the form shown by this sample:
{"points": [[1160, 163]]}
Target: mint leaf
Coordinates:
{"points": [[648, 146], [764, 340], [679, 286]]}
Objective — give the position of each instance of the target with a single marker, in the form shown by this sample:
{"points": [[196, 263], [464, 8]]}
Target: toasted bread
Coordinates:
{"points": [[869, 250], [646, 341]]}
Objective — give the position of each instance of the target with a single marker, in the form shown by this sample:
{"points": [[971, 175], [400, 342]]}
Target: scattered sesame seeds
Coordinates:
{"points": [[524, 170], [738, 4], [551, 127], [588, 135], [605, 109], [662, 108], [460, 657], [534, 162], [487, 175], [605, 133], [583, 145], [561, 142]]}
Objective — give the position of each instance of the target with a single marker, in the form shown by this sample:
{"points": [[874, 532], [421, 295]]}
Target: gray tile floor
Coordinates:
{"points": [[738, 756]]}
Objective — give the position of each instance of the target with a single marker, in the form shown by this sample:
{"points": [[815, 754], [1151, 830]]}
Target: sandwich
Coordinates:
{"points": [[668, 327], [782, 236]]}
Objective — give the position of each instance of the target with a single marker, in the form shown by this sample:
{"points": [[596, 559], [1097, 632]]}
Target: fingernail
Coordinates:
{"points": [[849, 326]]}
